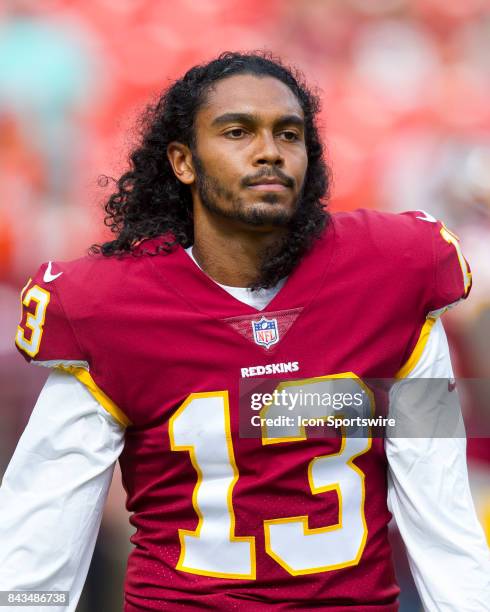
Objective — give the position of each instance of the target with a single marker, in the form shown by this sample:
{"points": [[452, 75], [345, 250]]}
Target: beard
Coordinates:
{"points": [[212, 191], [305, 222]]}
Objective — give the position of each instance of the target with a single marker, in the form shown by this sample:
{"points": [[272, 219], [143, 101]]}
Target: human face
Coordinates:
{"points": [[250, 156]]}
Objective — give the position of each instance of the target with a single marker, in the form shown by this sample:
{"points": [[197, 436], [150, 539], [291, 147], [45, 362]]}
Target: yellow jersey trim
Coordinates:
{"points": [[104, 400], [414, 358]]}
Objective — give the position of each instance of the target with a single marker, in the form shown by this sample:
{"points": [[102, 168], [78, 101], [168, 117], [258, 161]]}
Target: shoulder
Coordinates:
{"points": [[382, 241], [89, 273], [92, 279], [412, 247], [64, 299], [384, 230]]}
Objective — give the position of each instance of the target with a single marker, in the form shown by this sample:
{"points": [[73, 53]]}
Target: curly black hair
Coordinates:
{"points": [[150, 201]]}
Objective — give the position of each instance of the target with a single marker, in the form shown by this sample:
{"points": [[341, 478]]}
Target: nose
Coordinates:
{"points": [[267, 151]]}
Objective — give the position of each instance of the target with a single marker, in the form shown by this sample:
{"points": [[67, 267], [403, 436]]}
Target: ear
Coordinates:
{"points": [[180, 158]]}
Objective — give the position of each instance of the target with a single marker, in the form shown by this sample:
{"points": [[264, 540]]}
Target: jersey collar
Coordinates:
{"points": [[206, 295]]}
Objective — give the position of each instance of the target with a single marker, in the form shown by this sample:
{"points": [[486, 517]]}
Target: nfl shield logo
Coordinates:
{"points": [[266, 332]]}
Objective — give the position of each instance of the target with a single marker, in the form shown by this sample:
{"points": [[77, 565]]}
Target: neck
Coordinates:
{"points": [[229, 251]]}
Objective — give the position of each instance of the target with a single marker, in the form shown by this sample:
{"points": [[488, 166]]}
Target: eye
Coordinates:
{"points": [[289, 135], [235, 133]]}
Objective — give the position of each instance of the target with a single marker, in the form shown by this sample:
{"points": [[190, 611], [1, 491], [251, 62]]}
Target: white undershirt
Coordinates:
{"points": [[53, 493]]}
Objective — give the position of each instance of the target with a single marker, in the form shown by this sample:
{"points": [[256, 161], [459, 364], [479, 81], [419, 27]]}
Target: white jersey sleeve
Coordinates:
{"points": [[53, 492], [430, 498]]}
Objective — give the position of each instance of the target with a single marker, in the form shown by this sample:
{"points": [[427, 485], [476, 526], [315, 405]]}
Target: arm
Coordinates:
{"points": [[430, 498], [53, 492]]}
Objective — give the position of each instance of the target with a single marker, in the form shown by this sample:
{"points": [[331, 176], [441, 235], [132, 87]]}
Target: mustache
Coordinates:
{"points": [[277, 173]]}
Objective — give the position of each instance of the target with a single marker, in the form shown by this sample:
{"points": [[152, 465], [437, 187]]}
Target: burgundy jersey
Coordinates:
{"points": [[226, 520]]}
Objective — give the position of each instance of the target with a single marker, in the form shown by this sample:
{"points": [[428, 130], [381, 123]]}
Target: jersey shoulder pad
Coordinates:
{"points": [[45, 334], [416, 249], [451, 278]]}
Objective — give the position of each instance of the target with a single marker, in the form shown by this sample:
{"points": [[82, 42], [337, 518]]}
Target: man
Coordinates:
{"points": [[226, 269]]}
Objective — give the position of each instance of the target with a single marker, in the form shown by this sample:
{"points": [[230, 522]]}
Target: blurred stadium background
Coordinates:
{"points": [[406, 117]]}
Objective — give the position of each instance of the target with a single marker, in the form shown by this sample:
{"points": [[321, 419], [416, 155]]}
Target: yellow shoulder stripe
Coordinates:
{"points": [[104, 400], [414, 358], [454, 241]]}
